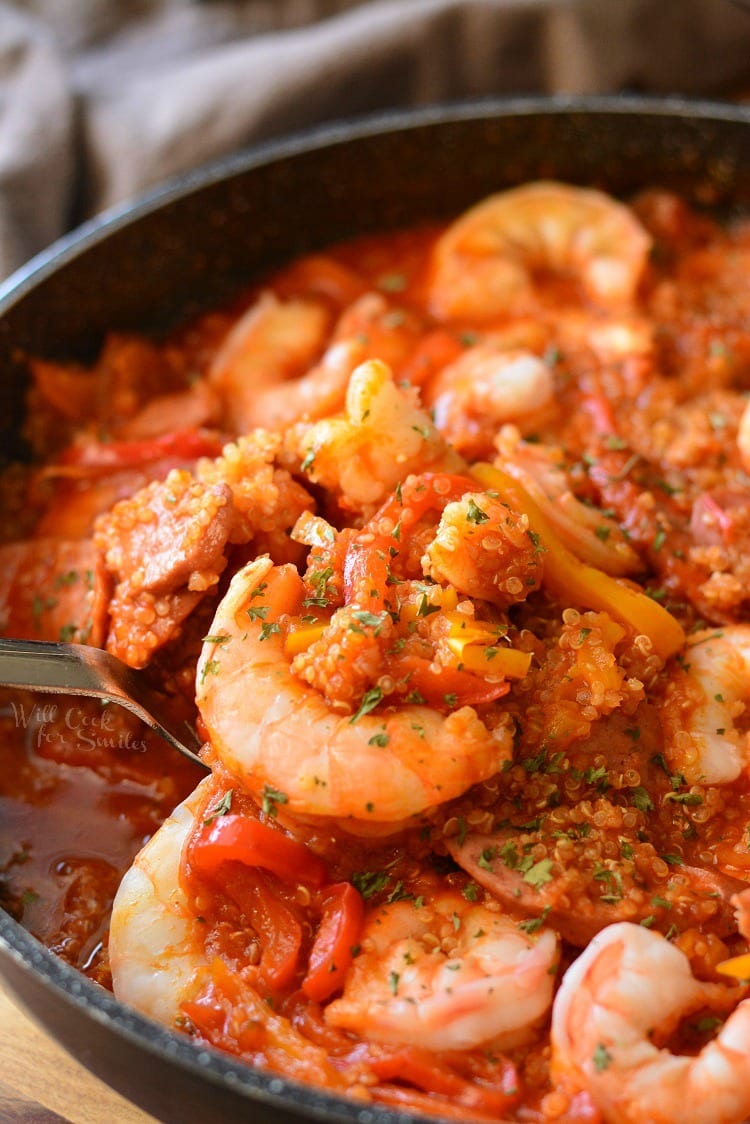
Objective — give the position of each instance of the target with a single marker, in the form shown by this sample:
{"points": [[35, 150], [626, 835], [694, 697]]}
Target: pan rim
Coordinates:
{"points": [[89, 233]]}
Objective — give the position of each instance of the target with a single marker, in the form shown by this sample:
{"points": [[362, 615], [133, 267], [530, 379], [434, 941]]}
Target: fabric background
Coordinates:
{"points": [[100, 99]]}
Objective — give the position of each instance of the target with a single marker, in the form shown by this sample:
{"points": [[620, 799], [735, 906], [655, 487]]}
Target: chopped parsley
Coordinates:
{"points": [[258, 612], [615, 443], [691, 799], [601, 1058], [534, 924], [641, 800], [68, 578], [220, 809], [217, 638], [536, 542], [370, 700], [474, 513], [318, 580], [272, 797], [392, 283], [210, 667], [375, 621], [370, 882], [539, 874]]}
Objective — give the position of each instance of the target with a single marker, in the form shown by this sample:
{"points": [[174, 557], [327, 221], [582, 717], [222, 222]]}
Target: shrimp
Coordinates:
{"points": [[484, 388], [368, 327], [483, 264], [156, 940], [268, 369], [446, 975], [743, 438], [386, 331], [272, 731], [383, 437], [704, 700], [274, 341], [629, 982], [485, 550], [591, 535], [164, 961]]}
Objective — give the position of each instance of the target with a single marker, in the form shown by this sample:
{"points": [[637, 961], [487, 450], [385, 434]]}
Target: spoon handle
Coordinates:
{"points": [[77, 669]]}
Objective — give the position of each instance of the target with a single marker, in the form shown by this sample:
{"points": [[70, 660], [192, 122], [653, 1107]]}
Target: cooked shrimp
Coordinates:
{"points": [[705, 698], [274, 341], [446, 975], [484, 388], [183, 410], [369, 327], [387, 332], [628, 983], [485, 550], [483, 264], [156, 940], [270, 729], [594, 537], [612, 338], [743, 438], [383, 437]]}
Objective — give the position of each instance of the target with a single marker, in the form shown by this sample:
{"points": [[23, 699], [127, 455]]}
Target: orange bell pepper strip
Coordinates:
{"points": [[569, 578]]}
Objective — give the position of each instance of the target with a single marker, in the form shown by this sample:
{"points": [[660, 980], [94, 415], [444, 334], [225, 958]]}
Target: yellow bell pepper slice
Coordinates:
{"points": [[567, 577], [443, 598], [738, 967], [476, 648], [300, 636]]}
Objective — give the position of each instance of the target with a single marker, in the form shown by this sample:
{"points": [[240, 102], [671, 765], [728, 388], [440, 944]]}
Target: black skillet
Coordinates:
{"points": [[194, 244]]}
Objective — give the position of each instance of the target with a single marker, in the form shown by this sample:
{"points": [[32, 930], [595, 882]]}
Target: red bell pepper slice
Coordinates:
{"points": [[337, 936], [276, 926], [424, 1071], [239, 839], [185, 444]]}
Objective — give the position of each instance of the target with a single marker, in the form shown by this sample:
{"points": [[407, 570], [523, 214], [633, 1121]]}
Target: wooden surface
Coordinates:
{"points": [[41, 1084]]}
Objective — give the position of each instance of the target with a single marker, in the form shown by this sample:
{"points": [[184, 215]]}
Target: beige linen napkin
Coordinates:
{"points": [[100, 100]]}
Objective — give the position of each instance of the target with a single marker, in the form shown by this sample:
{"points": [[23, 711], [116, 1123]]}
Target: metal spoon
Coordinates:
{"points": [[77, 669]]}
